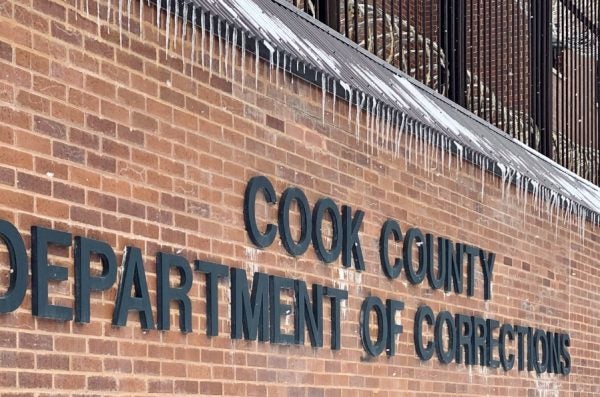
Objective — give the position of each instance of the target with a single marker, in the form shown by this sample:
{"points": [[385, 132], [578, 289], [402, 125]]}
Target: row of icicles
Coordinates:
{"points": [[384, 125]]}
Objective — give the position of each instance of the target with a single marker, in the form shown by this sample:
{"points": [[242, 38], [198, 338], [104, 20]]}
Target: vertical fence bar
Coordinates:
{"points": [[578, 93], [521, 90], [487, 40], [596, 110], [502, 66], [401, 35], [366, 23], [568, 133], [586, 103], [424, 44], [561, 143], [479, 59], [531, 48], [355, 20], [440, 37], [408, 44], [383, 18], [374, 10], [430, 37], [393, 19], [513, 79], [346, 20], [471, 66]]}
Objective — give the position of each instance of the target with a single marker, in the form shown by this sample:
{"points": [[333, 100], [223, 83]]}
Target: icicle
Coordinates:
{"points": [[234, 53], [334, 100], [481, 165], [193, 46], [220, 46], [511, 173], [504, 176], [98, 15], [167, 26], [120, 23], [226, 40], [428, 150], [284, 68], [459, 154], [422, 143], [243, 60], [518, 187], [323, 95], [380, 131], [525, 199], [277, 69], [402, 126], [394, 133], [211, 43], [272, 59], [157, 13], [175, 26], [203, 32], [374, 124], [443, 150], [449, 153], [418, 132], [370, 123], [557, 217], [367, 122], [409, 137], [387, 129], [358, 112], [257, 59], [400, 133], [141, 17], [351, 93], [184, 19], [128, 15], [435, 148]]}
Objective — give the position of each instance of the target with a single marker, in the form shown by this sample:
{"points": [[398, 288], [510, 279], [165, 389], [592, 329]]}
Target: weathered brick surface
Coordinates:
{"points": [[122, 144]]}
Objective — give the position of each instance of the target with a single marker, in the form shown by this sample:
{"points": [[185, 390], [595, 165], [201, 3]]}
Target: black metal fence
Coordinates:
{"points": [[529, 67]]}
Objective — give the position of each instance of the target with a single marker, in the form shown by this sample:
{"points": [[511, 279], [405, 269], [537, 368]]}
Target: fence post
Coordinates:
{"points": [[453, 39], [541, 74]]}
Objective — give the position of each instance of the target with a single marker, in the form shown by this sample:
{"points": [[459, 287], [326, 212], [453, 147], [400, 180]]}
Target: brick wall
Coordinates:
{"points": [[121, 143]]}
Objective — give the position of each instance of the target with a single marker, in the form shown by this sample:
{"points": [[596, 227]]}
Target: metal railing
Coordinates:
{"points": [[529, 67]]}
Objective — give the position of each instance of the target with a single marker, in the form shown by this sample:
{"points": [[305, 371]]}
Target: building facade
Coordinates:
{"points": [[182, 217]]}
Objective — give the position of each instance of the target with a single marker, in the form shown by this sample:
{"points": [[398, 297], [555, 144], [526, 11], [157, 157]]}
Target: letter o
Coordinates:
{"points": [[376, 348], [289, 196], [327, 205]]}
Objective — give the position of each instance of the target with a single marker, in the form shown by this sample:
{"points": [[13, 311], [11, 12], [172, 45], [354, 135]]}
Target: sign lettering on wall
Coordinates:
{"points": [[257, 308]]}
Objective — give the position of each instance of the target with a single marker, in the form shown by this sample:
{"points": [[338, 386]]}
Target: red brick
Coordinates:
{"points": [[34, 183], [33, 380], [68, 192], [101, 383], [69, 36], [33, 102], [103, 163], [53, 362], [68, 152], [6, 51], [51, 8]]}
